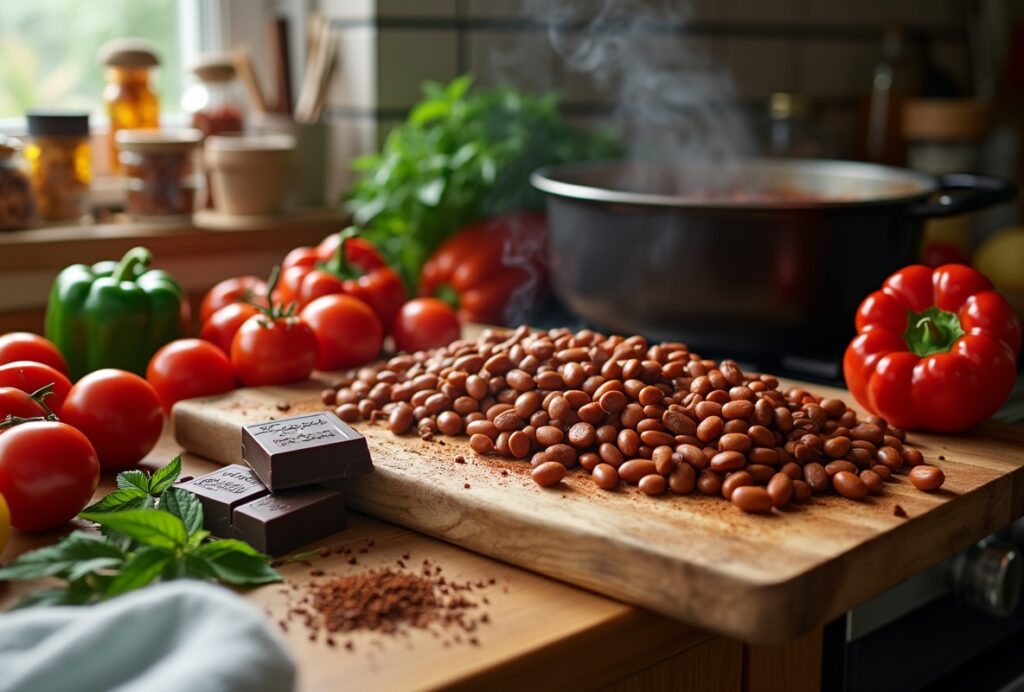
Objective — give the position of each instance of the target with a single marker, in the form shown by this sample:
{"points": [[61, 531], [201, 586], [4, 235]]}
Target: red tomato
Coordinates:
{"points": [[275, 351], [119, 412], [17, 403], [231, 291], [348, 331], [425, 323], [14, 402], [222, 326], [188, 368], [25, 346], [301, 257], [29, 377], [48, 473]]}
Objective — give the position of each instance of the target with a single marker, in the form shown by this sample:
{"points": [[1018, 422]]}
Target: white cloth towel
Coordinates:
{"points": [[181, 636]]}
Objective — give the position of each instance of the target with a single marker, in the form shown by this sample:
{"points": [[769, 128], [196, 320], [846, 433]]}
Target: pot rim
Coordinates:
{"points": [[558, 180]]}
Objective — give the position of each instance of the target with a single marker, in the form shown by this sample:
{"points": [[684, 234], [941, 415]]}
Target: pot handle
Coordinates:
{"points": [[980, 191]]}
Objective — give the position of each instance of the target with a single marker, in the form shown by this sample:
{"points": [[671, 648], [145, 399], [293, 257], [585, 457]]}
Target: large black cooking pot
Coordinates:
{"points": [[761, 257]]}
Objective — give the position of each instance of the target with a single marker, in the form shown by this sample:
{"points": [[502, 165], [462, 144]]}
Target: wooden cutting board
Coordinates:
{"points": [[759, 578]]}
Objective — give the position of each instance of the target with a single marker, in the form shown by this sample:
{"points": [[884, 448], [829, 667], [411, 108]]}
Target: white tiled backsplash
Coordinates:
{"points": [[825, 48]]}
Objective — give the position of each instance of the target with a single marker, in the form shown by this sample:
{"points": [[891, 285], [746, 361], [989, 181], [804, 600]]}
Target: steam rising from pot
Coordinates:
{"points": [[672, 101]]}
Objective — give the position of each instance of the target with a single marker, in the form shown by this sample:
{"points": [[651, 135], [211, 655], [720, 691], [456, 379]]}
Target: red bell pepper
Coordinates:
{"points": [[360, 271], [491, 271], [936, 349]]}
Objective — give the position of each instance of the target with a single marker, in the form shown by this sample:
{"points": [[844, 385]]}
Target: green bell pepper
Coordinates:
{"points": [[113, 314]]}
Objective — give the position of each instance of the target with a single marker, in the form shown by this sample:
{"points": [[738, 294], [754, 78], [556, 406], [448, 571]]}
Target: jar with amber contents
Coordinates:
{"points": [[59, 163], [17, 207], [216, 101], [159, 170], [130, 96]]}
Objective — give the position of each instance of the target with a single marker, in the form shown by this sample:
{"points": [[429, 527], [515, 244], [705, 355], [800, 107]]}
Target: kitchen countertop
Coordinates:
{"points": [[539, 632]]}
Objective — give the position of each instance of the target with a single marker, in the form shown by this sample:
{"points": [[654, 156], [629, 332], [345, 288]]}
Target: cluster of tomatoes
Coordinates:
{"points": [[329, 308], [55, 437]]}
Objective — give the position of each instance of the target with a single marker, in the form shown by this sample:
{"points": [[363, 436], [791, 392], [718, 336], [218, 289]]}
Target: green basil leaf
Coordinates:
{"points": [[198, 568], [165, 476], [131, 497], [185, 506], [196, 539], [56, 559], [133, 478], [153, 527], [141, 569], [85, 567], [233, 564], [83, 590], [223, 546]]}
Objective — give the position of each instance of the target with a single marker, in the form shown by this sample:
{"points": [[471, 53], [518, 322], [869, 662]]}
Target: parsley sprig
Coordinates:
{"points": [[149, 531]]}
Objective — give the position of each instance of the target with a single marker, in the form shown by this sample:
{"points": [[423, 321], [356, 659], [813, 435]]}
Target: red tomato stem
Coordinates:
{"points": [[39, 396], [11, 421]]}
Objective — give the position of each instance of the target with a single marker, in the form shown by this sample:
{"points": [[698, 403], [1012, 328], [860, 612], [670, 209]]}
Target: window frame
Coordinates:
{"points": [[206, 26]]}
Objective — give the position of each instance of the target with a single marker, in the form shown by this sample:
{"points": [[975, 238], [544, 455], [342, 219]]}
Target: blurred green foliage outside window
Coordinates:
{"points": [[48, 51]]}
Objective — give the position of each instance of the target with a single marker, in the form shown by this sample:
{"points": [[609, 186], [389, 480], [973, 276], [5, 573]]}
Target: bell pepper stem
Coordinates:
{"points": [[125, 270], [932, 331], [448, 294], [339, 264]]}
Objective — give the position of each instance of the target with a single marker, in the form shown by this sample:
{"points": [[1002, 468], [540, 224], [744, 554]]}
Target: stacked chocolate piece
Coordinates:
{"points": [[290, 494]]}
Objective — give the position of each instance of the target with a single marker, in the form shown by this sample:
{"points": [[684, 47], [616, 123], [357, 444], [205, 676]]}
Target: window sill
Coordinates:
{"points": [[197, 257], [297, 226]]}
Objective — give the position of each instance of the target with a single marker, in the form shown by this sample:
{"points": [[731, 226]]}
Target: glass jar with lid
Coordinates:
{"points": [[160, 171], [130, 95], [17, 206], [60, 163], [216, 101]]}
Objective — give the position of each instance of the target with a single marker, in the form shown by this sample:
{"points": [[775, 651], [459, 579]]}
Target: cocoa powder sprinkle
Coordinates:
{"points": [[386, 601]]}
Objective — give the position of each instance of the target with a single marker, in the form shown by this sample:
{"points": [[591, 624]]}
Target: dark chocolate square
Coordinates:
{"points": [[304, 450], [220, 492], [279, 523]]}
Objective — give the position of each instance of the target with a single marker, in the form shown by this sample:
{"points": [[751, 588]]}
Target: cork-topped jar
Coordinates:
{"points": [[215, 102], [130, 95]]}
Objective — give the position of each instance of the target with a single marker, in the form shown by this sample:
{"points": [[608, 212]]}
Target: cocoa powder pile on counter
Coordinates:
{"points": [[388, 602], [655, 416], [381, 600]]}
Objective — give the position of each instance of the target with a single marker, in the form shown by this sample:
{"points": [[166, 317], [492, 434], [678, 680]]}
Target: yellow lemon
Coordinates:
{"points": [[1001, 259]]}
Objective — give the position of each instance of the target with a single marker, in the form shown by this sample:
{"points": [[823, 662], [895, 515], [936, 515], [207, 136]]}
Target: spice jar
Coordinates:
{"points": [[59, 160], [131, 99], [216, 101], [160, 171], [17, 208]]}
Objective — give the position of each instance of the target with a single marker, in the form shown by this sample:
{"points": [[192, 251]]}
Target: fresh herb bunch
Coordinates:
{"points": [[462, 155], [149, 531]]}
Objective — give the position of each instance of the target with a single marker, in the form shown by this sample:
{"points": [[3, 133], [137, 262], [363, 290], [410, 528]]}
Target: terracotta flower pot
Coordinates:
{"points": [[249, 174]]}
